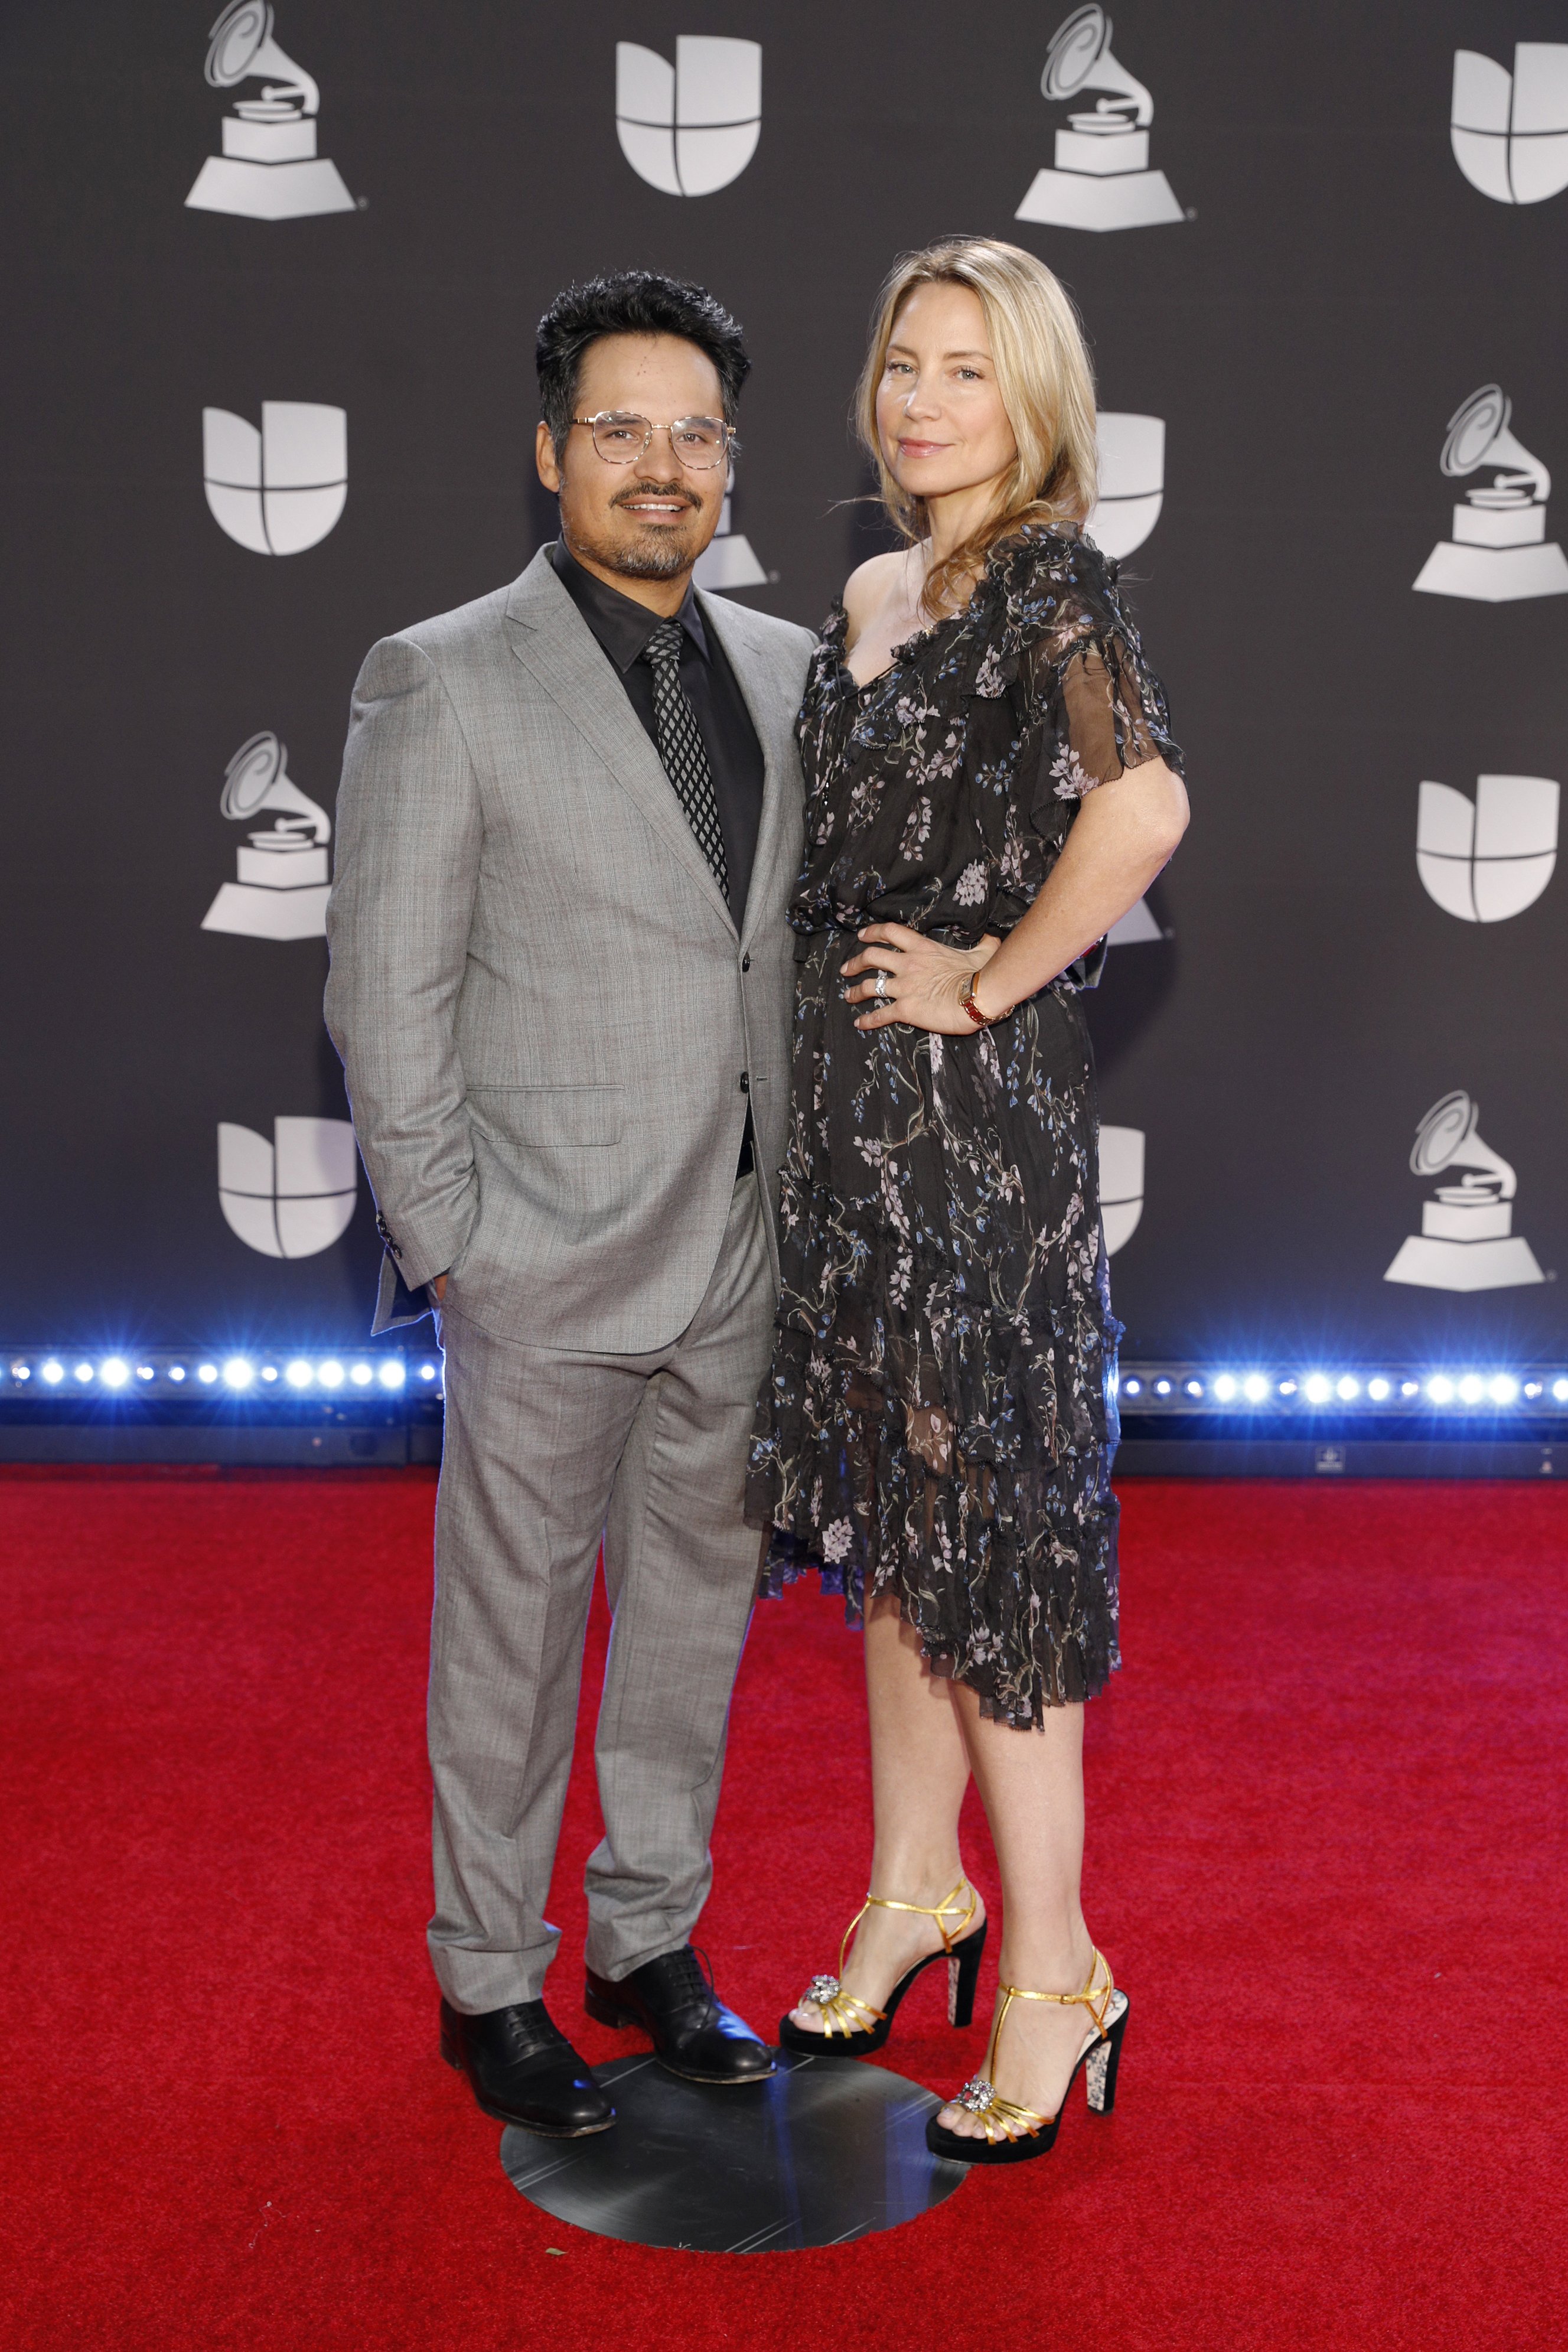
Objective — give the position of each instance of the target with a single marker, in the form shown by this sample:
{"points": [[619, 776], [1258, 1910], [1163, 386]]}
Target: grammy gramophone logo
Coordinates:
{"points": [[690, 128], [1101, 179], [727, 561], [1487, 859], [269, 169], [1499, 551], [1466, 1240], [1509, 131], [283, 885]]}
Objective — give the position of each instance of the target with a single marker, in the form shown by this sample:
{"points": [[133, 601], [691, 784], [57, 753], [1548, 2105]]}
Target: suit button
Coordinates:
{"points": [[746, 963], [745, 1082]]}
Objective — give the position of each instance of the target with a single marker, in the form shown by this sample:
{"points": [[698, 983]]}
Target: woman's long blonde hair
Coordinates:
{"points": [[1046, 387]]}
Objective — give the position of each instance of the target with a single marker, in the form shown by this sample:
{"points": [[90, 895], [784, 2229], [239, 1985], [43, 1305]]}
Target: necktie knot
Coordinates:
{"points": [[663, 645]]}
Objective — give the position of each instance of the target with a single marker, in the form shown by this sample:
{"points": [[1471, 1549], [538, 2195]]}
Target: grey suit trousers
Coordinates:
{"points": [[548, 1449]]}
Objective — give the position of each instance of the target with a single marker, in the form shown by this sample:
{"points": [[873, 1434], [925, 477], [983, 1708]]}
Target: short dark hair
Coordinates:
{"points": [[631, 302]]}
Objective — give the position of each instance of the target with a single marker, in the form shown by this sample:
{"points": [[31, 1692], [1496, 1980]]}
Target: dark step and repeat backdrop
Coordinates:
{"points": [[270, 293]]}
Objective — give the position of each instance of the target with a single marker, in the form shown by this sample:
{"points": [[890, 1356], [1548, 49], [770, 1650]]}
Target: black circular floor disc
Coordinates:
{"points": [[826, 2149]]}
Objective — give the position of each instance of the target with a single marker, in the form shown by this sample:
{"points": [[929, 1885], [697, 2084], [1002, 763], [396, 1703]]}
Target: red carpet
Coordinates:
{"points": [[1326, 1858]]}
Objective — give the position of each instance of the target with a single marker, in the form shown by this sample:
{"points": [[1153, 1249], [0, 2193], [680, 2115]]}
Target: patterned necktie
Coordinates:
{"points": [[681, 746]]}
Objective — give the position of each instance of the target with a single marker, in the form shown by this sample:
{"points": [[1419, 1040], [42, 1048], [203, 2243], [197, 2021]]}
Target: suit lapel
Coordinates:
{"points": [[773, 708], [555, 645]]}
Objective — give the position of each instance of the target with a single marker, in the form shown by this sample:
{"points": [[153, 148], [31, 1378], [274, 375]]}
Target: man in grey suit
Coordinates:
{"points": [[561, 985]]}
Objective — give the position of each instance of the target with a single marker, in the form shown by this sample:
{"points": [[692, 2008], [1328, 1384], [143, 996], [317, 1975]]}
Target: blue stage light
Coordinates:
{"points": [[269, 1371], [1378, 1389], [298, 1374], [21, 1371], [391, 1373], [1560, 1390], [54, 1371], [1317, 1386], [114, 1371], [1441, 1389], [1347, 1387], [1225, 1387], [146, 1371], [84, 1373], [1162, 1388], [427, 1371], [207, 1374], [361, 1376], [1471, 1389], [237, 1373], [1129, 1388], [176, 1372], [1503, 1389], [1194, 1387], [331, 1373], [1255, 1388]]}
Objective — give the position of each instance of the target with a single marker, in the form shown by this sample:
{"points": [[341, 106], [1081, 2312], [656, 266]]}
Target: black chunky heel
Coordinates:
{"points": [[964, 1977], [1102, 2062], [851, 2028]]}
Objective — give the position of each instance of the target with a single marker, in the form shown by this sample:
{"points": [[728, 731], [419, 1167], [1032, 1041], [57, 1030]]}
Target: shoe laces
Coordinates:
{"points": [[694, 1978]]}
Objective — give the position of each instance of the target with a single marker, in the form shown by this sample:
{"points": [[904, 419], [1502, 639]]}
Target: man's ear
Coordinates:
{"points": [[544, 458]]}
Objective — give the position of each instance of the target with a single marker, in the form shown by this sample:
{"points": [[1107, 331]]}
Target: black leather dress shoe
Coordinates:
{"points": [[692, 2032], [523, 2070]]}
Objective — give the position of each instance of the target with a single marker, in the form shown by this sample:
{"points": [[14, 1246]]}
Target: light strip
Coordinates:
{"points": [[1305, 1392], [251, 1379], [1244, 1390]]}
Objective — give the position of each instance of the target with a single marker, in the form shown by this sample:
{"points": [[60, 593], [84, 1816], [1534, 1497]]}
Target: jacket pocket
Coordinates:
{"points": [[542, 1117]]}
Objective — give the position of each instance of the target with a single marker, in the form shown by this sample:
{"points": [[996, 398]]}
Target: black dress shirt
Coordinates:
{"points": [[622, 628]]}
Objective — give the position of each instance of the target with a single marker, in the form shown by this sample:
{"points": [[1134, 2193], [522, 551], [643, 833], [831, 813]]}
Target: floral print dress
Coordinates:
{"points": [[939, 1417]]}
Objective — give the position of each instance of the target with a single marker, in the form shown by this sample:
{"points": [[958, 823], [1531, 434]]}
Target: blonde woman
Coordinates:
{"points": [[992, 786]]}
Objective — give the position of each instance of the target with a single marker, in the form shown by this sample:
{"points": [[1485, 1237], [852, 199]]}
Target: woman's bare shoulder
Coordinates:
{"points": [[871, 584]]}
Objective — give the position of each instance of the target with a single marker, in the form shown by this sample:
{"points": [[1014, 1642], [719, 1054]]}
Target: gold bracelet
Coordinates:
{"points": [[967, 1001]]}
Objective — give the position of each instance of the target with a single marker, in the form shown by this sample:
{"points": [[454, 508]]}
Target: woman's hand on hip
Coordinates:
{"points": [[901, 975]]}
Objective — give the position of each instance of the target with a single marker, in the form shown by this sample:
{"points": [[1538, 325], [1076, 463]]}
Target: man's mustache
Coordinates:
{"points": [[655, 491]]}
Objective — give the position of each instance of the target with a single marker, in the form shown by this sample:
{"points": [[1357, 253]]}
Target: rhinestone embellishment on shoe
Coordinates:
{"points": [[823, 1990], [976, 2095]]}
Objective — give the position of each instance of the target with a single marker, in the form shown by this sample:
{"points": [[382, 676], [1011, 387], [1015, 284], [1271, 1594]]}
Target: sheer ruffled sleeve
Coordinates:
{"points": [[1107, 709]]}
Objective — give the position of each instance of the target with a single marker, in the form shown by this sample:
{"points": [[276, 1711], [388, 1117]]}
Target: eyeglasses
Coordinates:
{"points": [[697, 443]]}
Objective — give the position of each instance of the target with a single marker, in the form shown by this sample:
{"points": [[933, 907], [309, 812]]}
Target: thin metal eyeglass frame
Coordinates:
{"points": [[628, 417]]}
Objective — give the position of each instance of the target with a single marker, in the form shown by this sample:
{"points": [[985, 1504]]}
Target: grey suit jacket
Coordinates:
{"points": [[550, 1029]]}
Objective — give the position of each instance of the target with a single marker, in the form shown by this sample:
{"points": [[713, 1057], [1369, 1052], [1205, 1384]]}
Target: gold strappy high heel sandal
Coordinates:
{"points": [[1013, 2133], [851, 2027]]}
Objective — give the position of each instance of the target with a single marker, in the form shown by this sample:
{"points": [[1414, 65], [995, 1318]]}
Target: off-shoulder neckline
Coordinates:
{"points": [[1032, 538]]}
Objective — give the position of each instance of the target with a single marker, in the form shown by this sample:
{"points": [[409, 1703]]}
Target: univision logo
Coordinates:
{"points": [[1101, 179], [1486, 859], [1509, 131], [281, 489], [292, 1197], [1120, 1184], [691, 128], [269, 169], [1132, 481]]}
